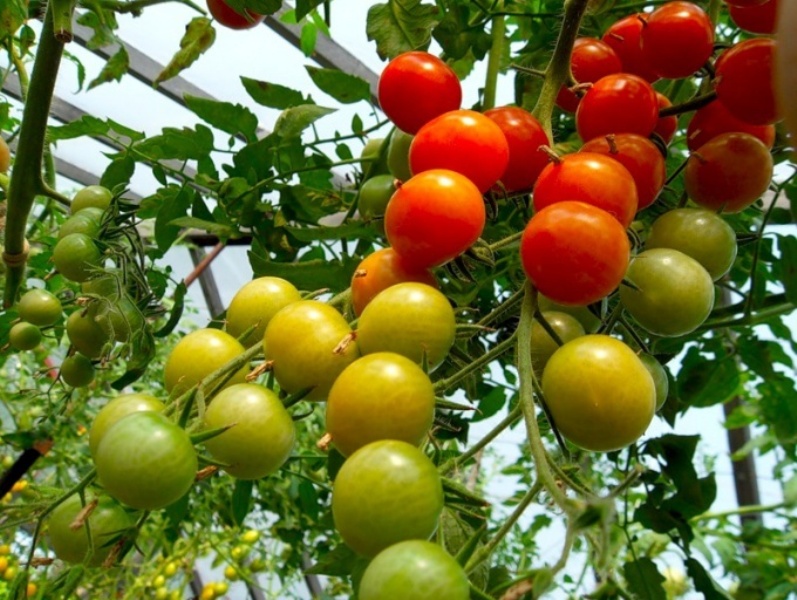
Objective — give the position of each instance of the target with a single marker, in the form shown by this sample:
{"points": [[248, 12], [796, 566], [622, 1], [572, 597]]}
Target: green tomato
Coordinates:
{"points": [[386, 492], [262, 436], [107, 522], [414, 570], [660, 379], [375, 193], [85, 334], [119, 319], [77, 257], [543, 345], [116, 409], [145, 461], [255, 303], [88, 221], [582, 314], [39, 307], [199, 354], [24, 336], [77, 370], [372, 149], [398, 155], [91, 196]]}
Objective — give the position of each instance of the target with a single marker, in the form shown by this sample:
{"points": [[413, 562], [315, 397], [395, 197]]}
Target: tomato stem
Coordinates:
{"points": [[498, 34], [482, 361]]}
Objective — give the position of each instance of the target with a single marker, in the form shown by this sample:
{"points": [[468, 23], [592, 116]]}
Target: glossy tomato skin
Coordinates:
{"points": [[677, 39], [660, 380], [760, 18], [380, 396], [145, 461], [255, 303], [197, 355], [380, 270], [543, 345], [415, 87], [620, 103], [91, 196], [434, 217], [24, 336], [574, 253], [730, 172], [640, 157], [463, 141], [665, 126], [744, 81], [524, 135], [624, 37], [77, 370], [117, 409], [39, 307], [411, 319], [85, 334], [601, 396], [262, 435], [398, 155], [77, 257], [674, 294], [87, 220], [590, 177], [375, 193], [414, 570], [744, 3], [304, 341], [386, 492], [225, 15], [714, 119], [591, 59]]}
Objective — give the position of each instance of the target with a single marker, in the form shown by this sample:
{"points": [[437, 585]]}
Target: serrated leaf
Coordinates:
{"points": [[114, 69], [242, 500], [400, 26], [226, 116], [644, 580], [341, 86], [293, 121], [103, 23], [273, 95], [92, 126], [13, 13], [199, 36], [180, 144]]}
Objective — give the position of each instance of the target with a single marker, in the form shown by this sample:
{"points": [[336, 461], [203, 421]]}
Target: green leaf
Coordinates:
{"points": [[308, 38], [118, 172], [92, 126], [762, 355], [199, 36], [219, 229], [273, 95], [341, 86], [180, 144], [114, 69], [177, 311], [175, 203], [400, 26], [304, 7], [704, 583], [709, 382], [341, 561], [103, 22], [790, 491], [309, 275], [787, 245], [13, 13], [352, 231], [242, 500], [229, 118], [778, 407], [293, 121], [644, 580]]}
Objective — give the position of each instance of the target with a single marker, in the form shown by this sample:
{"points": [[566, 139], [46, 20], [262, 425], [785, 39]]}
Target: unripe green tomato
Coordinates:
{"points": [[660, 379], [375, 193], [583, 315], [85, 334], [88, 221], [77, 257], [255, 303], [24, 336], [262, 435], [198, 355], [116, 409], [39, 307], [91, 196], [77, 370], [398, 155], [543, 345], [371, 150], [119, 319]]}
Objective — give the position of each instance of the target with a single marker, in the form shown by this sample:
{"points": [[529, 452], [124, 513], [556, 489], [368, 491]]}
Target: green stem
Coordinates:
{"points": [[755, 318], [501, 309], [475, 365], [494, 59], [558, 69], [688, 106], [136, 6], [26, 181], [742, 510], [507, 241]]}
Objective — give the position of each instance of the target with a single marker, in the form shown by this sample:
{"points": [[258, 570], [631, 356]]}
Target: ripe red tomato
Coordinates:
{"points": [[464, 141], [434, 217], [525, 135], [591, 59], [574, 253], [760, 18], [714, 119], [415, 87], [786, 74], [745, 81], [225, 15], [640, 156], [380, 270], [386, 492], [589, 177], [677, 39], [620, 103], [624, 37], [665, 126], [730, 172]]}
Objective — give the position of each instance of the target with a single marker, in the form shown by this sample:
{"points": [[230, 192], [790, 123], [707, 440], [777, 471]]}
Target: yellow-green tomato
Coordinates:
{"points": [[582, 314], [543, 345], [116, 409], [381, 396], [254, 305], [378, 164], [77, 370], [414, 570], [95, 196], [262, 434], [411, 319], [310, 344], [39, 307], [198, 355], [660, 379], [24, 336], [600, 395]]}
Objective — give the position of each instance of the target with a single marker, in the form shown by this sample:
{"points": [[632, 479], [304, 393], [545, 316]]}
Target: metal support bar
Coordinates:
{"points": [[208, 283]]}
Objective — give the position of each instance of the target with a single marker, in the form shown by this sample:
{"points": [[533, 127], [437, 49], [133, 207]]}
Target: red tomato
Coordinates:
{"points": [[677, 40], [665, 126], [591, 178], [464, 141], [620, 103], [574, 253], [624, 38], [730, 172], [591, 60], [786, 74], [525, 135], [415, 87], [380, 270], [760, 18], [434, 217], [714, 119], [745, 81], [226, 16], [642, 159]]}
